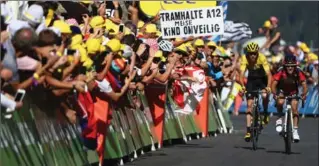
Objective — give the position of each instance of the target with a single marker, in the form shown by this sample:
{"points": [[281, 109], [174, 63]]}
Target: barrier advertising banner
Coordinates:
{"points": [[192, 22]]}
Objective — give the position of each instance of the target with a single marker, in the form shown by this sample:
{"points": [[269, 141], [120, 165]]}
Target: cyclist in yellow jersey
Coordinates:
{"points": [[259, 78]]}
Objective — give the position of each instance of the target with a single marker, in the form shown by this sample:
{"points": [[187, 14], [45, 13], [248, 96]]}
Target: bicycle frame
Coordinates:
{"points": [[256, 105], [287, 111], [256, 102], [256, 120], [288, 123]]}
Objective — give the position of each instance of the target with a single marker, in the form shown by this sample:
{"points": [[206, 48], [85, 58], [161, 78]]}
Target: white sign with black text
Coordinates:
{"points": [[192, 22]]}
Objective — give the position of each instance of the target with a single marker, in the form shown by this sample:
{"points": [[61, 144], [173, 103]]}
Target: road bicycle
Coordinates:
{"points": [[288, 122], [256, 126]]}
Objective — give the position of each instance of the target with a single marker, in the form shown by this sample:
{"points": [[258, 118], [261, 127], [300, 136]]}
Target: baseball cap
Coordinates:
{"points": [[140, 24], [114, 44], [34, 14], [93, 45], [150, 28], [312, 57], [62, 26], [306, 50], [198, 42], [97, 22], [267, 24], [302, 45], [76, 40], [211, 44], [182, 48], [87, 2]]}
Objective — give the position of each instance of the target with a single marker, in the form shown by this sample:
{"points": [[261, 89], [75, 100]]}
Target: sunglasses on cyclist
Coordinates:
{"points": [[252, 53], [200, 46], [290, 66]]}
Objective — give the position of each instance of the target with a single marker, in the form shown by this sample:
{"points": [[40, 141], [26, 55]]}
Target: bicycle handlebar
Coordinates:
{"points": [[256, 91], [294, 97]]}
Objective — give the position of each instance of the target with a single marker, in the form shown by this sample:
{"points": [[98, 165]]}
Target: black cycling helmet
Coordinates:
{"points": [[290, 60]]}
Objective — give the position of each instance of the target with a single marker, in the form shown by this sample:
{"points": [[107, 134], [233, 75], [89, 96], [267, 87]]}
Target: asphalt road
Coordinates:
{"points": [[232, 150]]}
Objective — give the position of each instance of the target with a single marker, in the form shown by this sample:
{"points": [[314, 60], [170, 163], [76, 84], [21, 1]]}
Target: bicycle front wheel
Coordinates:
{"points": [[255, 128], [288, 135]]}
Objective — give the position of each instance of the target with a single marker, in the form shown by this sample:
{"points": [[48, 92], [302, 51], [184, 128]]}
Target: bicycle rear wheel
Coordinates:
{"points": [[255, 128], [288, 135]]}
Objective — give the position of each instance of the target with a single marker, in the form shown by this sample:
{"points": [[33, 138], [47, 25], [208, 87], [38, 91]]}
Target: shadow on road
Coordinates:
{"points": [[154, 154], [282, 152], [193, 146], [148, 156], [248, 147]]}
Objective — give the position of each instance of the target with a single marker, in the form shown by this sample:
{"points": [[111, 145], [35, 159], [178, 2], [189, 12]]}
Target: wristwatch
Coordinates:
{"points": [[73, 88]]}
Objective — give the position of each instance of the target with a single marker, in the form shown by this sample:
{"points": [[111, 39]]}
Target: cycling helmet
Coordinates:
{"points": [[290, 60], [252, 47]]}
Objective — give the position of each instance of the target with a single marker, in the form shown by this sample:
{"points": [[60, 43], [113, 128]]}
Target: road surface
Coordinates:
{"points": [[232, 150]]}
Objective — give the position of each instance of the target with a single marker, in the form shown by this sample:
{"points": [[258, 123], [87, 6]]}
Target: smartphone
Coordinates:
{"points": [[138, 71], [91, 31], [44, 60], [69, 51], [17, 98], [121, 28], [19, 95]]}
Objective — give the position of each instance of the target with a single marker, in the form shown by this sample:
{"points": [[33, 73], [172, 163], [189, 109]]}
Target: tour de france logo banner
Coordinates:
{"points": [[152, 8], [192, 22]]}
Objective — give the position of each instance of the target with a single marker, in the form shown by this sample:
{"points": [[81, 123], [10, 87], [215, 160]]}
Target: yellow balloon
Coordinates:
{"points": [[151, 8], [190, 4]]}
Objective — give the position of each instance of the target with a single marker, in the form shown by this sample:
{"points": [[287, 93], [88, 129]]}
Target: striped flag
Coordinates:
{"points": [[224, 4], [235, 31]]}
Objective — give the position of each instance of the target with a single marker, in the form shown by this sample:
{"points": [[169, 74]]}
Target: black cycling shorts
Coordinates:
{"points": [[254, 84]]}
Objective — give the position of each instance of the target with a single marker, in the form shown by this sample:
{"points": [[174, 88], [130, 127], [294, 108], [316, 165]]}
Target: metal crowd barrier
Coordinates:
{"points": [[41, 137]]}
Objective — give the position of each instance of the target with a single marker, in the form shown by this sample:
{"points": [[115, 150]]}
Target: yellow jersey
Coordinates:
{"points": [[261, 62]]}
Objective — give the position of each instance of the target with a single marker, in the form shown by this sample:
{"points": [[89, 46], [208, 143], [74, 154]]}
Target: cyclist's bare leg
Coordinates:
{"points": [[265, 103], [265, 97], [250, 103], [294, 108], [279, 105]]}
